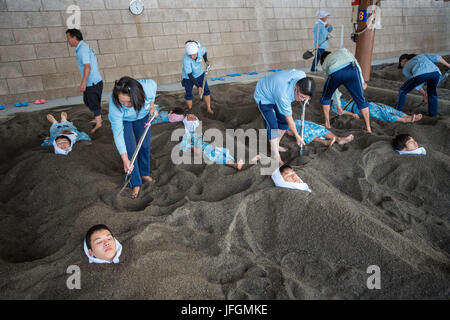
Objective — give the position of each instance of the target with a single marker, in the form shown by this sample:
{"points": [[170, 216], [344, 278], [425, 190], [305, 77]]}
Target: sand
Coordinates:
{"points": [[210, 232]]}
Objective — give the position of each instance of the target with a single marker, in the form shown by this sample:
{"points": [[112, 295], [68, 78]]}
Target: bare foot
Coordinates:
{"points": [[416, 117], [282, 149], [368, 130], [51, 118], [98, 125], [63, 116], [240, 164], [135, 192], [256, 158], [210, 111], [148, 179], [331, 142], [345, 140]]}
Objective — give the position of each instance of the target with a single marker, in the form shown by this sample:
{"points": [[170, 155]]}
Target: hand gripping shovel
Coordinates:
{"points": [[303, 125], [310, 53], [141, 140], [204, 80]]}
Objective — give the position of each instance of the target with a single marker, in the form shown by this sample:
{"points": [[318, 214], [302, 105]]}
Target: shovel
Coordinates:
{"points": [[303, 125], [204, 80], [141, 140], [310, 53]]}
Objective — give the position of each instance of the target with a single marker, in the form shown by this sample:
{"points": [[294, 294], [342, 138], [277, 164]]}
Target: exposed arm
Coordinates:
{"points": [[291, 124], [87, 70], [441, 60]]}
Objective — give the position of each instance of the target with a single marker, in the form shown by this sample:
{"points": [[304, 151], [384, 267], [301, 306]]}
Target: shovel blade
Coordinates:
{"points": [[307, 55]]}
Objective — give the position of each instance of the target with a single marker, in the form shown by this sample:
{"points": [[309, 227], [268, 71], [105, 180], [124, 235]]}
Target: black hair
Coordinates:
{"points": [[191, 41], [178, 110], [399, 142], [284, 167], [323, 56], [130, 87], [405, 56], [306, 86], [75, 33], [63, 137], [91, 231]]}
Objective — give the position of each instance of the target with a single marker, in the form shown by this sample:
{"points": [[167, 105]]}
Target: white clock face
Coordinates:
{"points": [[136, 7]]}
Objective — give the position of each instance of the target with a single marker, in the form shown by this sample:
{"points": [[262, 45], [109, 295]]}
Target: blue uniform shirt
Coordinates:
{"points": [[193, 66], [278, 89], [85, 55], [421, 64], [117, 117], [320, 34]]}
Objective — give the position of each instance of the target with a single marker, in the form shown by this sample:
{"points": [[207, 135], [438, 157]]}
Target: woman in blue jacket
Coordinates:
{"points": [[419, 69], [130, 104]]}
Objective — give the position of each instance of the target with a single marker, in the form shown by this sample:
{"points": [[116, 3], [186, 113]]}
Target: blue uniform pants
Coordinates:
{"points": [[351, 79], [432, 79], [132, 131]]}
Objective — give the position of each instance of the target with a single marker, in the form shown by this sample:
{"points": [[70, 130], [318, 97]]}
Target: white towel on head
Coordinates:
{"points": [[72, 137], [95, 260], [280, 182], [419, 151], [190, 126], [322, 14], [191, 48]]}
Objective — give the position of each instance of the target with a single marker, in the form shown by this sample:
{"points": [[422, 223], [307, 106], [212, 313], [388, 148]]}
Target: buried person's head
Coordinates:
{"points": [[304, 89], [404, 142], [101, 246], [289, 174], [62, 145], [191, 122]]}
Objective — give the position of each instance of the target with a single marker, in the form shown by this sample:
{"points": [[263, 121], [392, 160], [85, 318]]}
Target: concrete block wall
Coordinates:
{"points": [[240, 36]]}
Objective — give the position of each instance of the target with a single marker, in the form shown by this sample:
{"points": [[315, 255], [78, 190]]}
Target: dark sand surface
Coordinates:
{"points": [[210, 232]]}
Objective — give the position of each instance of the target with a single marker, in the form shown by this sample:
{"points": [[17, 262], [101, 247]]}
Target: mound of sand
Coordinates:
{"points": [[210, 232]]}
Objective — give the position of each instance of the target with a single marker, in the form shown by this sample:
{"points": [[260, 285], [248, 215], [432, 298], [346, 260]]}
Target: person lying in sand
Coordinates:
{"points": [[193, 142], [100, 245], [405, 144], [318, 133], [286, 177], [376, 110], [174, 115], [63, 135]]}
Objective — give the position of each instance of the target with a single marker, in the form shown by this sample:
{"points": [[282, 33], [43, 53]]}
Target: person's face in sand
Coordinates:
{"points": [[63, 143], [411, 145], [191, 117], [103, 245], [125, 100], [289, 175]]}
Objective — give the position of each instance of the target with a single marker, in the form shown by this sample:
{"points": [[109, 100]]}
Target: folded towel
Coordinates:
{"points": [[95, 260], [420, 151], [279, 182]]}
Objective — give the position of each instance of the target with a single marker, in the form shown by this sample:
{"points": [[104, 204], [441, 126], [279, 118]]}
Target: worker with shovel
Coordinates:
{"points": [[320, 31], [130, 104], [419, 69], [193, 74], [341, 68], [274, 95]]}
